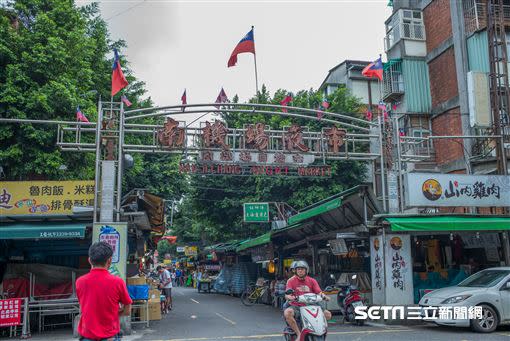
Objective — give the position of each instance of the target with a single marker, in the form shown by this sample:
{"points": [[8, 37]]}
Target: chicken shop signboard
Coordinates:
{"points": [[430, 189]]}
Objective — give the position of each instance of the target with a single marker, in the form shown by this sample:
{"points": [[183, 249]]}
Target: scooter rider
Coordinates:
{"points": [[301, 284]]}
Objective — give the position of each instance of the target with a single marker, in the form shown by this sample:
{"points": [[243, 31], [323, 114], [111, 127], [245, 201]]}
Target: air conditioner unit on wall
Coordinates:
{"points": [[479, 99]]}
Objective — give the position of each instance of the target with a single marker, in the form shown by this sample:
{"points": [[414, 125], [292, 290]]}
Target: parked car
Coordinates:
{"points": [[488, 289]]}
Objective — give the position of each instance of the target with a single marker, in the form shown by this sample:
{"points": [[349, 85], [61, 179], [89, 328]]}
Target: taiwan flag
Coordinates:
{"points": [[118, 80], [247, 44], [80, 117], [374, 70]]}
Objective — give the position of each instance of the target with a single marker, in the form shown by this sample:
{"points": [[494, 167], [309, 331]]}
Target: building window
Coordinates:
{"points": [[404, 24]]}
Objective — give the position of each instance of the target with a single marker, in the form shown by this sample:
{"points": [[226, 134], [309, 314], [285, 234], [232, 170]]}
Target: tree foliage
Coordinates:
{"points": [[54, 57], [213, 208]]}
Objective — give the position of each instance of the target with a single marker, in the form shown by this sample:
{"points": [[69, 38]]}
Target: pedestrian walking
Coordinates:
{"points": [[174, 281], [99, 294], [165, 280]]}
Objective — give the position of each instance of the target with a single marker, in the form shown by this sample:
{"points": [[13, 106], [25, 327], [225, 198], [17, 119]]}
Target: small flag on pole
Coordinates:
{"points": [[368, 115], [374, 70], [401, 133], [325, 104], [285, 102], [118, 80], [381, 105], [126, 101], [80, 117], [184, 100], [222, 98], [395, 105], [247, 44]]}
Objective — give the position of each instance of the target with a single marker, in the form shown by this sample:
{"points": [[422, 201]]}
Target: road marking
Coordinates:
{"points": [[226, 319], [247, 337], [195, 301]]}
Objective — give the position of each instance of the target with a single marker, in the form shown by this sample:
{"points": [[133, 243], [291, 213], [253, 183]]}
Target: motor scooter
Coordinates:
{"points": [[348, 298], [311, 322]]}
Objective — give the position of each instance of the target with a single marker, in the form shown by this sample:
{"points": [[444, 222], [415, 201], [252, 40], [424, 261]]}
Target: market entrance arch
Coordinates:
{"points": [[210, 147]]}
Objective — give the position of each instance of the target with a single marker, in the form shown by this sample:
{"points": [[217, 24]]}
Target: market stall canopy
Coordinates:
{"points": [[449, 223], [249, 243], [43, 230], [352, 208]]}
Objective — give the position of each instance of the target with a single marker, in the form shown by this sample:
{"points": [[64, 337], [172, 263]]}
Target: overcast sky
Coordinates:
{"points": [[174, 45]]}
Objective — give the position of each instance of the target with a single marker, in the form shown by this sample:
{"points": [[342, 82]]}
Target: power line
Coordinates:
{"points": [[126, 10]]}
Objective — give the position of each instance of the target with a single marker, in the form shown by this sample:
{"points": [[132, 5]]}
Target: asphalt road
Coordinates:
{"points": [[214, 317], [211, 317]]}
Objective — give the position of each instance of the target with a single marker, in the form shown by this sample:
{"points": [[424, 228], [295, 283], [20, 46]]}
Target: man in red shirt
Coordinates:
{"points": [[102, 296], [301, 284]]}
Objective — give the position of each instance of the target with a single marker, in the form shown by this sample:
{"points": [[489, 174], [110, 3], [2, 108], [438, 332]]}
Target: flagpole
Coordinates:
{"points": [[255, 60]]}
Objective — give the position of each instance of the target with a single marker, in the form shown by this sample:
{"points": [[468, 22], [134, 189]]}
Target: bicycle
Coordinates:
{"points": [[253, 293]]}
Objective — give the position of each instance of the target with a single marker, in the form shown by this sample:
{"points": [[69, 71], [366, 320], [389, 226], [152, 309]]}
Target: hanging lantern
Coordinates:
{"points": [[271, 267]]}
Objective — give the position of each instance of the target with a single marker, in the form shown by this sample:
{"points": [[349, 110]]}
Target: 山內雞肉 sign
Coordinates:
{"points": [[429, 189]]}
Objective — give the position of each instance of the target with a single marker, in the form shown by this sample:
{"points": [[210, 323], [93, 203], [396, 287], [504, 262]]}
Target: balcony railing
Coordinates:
{"points": [[393, 80], [411, 31], [475, 15]]}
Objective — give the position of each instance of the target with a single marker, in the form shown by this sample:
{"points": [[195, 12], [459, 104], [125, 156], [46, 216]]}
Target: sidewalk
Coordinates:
{"points": [[138, 333]]}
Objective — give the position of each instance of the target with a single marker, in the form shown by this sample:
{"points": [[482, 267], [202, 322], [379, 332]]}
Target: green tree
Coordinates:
{"points": [[53, 58]]}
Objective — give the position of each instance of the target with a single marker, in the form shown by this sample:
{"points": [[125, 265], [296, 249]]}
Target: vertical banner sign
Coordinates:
{"points": [[10, 312], [256, 212], [116, 235], [399, 270], [377, 265], [107, 190], [393, 192]]}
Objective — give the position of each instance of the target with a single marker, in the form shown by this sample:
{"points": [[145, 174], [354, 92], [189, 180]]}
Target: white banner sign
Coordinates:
{"points": [[399, 269], [377, 264], [429, 189]]}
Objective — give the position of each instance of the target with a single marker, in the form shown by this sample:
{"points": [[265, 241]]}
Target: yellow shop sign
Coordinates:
{"points": [[44, 197]]}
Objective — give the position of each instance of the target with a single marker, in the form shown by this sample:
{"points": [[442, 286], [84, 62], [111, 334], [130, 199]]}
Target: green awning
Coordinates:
{"points": [[43, 230], [260, 240], [449, 223], [312, 212], [391, 62]]}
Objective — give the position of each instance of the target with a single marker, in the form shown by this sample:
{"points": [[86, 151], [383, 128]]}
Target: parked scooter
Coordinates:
{"points": [[348, 298], [312, 322]]}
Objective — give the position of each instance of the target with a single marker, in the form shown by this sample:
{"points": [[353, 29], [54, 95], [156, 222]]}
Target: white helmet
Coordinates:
{"points": [[302, 264]]}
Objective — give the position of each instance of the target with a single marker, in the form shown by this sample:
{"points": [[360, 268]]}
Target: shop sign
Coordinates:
{"points": [[180, 249], [398, 266], [338, 246], [10, 312], [376, 262], [428, 189], [116, 235], [44, 197], [190, 250], [256, 212]]}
